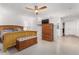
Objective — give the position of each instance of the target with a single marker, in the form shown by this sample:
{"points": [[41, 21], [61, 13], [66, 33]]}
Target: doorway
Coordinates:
{"points": [[63, 29]]}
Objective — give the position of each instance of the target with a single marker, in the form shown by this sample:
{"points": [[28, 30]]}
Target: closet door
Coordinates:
{"points": [[72, 28]]}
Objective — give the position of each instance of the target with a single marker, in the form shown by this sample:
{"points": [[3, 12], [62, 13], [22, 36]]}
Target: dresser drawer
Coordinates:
{"points": [[47, 33], [47, 37]]}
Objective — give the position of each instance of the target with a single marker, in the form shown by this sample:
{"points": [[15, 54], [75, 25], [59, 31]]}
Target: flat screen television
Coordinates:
{"points": [[45, 21]]}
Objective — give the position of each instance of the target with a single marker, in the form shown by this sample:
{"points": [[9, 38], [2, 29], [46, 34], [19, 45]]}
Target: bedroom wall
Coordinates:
{"points": [[57, 27], [8, 17], [29, 22]]}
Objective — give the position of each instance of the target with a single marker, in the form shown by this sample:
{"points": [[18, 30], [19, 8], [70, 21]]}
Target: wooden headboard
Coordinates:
{"points": [[14, 27]]}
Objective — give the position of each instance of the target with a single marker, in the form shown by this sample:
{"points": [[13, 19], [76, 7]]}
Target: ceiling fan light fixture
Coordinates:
{"points": [[36, 11]]}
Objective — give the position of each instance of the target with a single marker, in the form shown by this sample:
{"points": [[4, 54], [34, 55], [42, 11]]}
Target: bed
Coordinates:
{"points": [[10, 33], [9, 28]]}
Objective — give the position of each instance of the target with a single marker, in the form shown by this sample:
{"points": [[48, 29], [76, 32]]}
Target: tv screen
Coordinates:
{"points": [[45, 21]]}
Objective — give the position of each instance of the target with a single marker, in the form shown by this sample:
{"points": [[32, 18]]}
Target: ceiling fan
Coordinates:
{"points": [[36, 9]]}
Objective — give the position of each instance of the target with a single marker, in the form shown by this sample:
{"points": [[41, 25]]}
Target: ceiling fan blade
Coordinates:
{"points": [[44, 7], [29, 8]]}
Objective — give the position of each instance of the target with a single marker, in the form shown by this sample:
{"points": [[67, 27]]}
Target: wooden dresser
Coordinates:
{"points": [[47, 32]]}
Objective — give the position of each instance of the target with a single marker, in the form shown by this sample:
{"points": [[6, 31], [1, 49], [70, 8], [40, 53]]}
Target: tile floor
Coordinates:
{"points": [[68, 45]]}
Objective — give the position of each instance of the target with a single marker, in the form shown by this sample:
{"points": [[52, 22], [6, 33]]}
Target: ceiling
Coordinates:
{"points": [[54, 9]]}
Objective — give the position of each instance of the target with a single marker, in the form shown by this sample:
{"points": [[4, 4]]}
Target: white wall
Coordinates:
{"points": [[72, 28], [29, 22], [8, 17], [57, 23]]}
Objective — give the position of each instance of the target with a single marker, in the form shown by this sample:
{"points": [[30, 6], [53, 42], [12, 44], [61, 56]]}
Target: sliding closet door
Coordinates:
{"points": [[72, 28]]}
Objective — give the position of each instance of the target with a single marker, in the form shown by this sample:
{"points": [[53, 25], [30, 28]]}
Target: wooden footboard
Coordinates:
{"points": [[20, 45], [10, 38]]}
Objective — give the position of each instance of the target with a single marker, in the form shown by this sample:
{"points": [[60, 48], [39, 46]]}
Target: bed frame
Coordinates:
{"points": [[14, 27], [9, 39]]}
